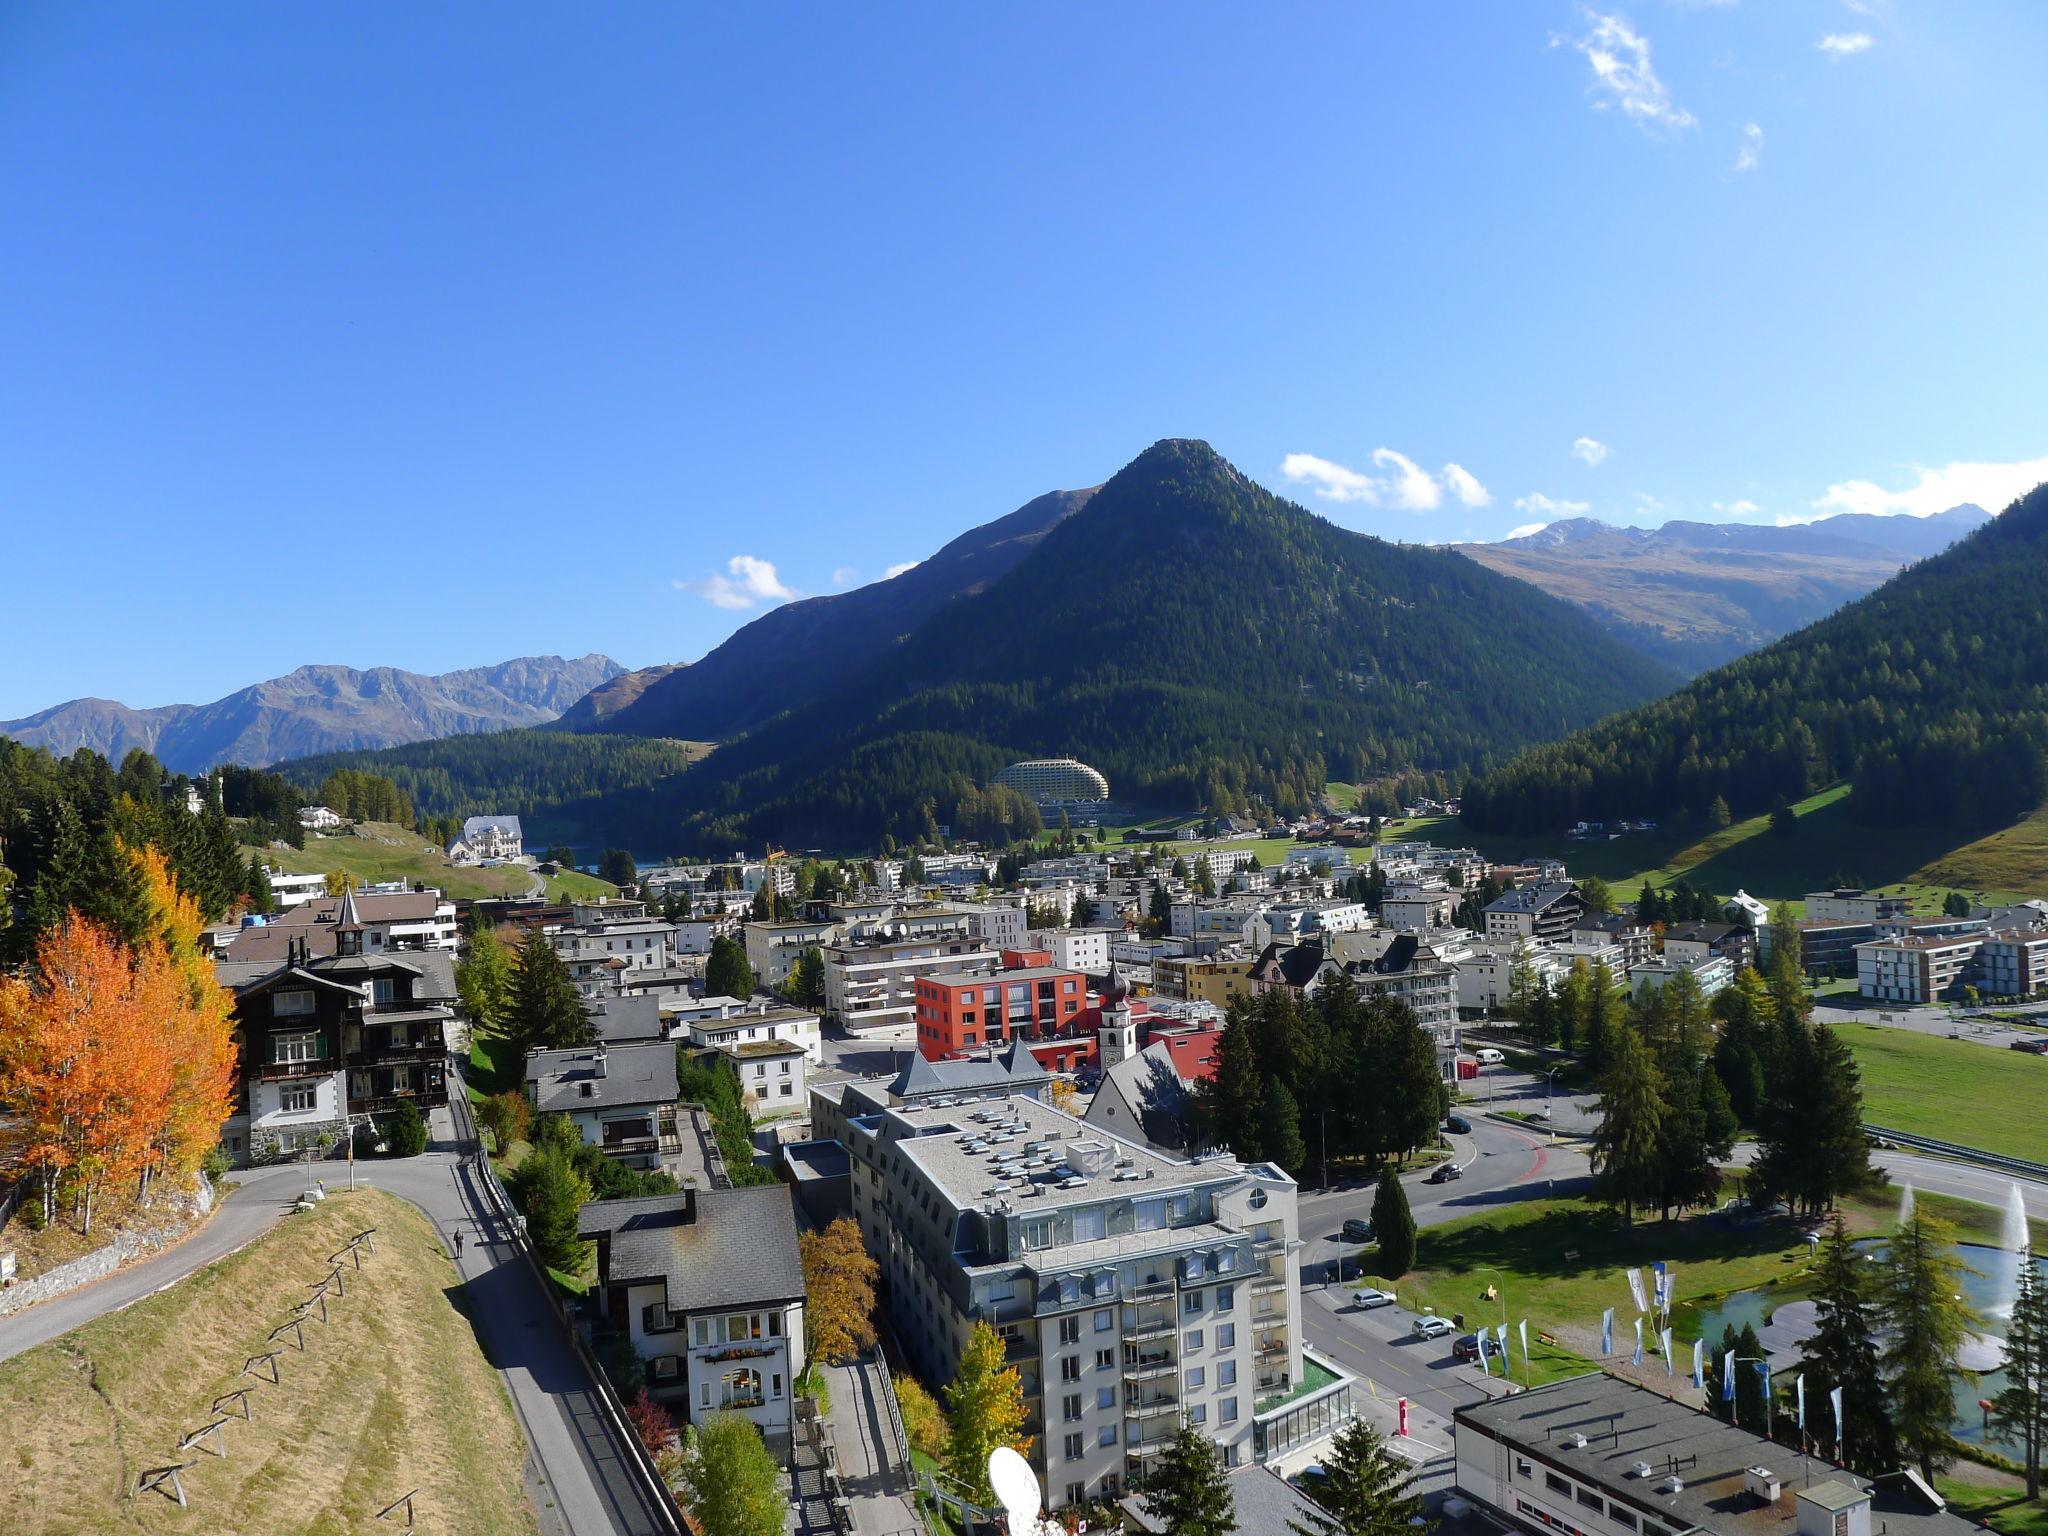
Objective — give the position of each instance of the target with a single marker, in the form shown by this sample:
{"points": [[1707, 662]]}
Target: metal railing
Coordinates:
{"points": [[1977, 1155]]}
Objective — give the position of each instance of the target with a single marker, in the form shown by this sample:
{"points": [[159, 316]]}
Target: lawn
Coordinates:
{"points": [[574, 885], [2003, 1509], [1952, 1090], [376, 851], [1559, 1264], [391, 1394], [495, 1066]]}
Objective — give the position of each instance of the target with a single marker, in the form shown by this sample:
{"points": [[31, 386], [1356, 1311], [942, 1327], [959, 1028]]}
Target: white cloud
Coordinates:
{"points": [[1990, 486], [1841, 45], [1752, 148], [845, 576], [750, 581], [1524, 530], [1590, 452], [1466, 487], [1623, 75], [897, 570], [1741, 507], [1405, 484], [1550, 506]]}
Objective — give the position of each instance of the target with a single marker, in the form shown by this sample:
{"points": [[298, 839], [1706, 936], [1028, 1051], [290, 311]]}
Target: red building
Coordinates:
{"points": [[959, 1014]]}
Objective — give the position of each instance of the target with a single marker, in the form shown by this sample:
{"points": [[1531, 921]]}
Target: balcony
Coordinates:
{"points": [[1158, 1325], [1143, 1367], [1267, 1285], [278, 1071], [1152, 1408], [1272, 1349]]}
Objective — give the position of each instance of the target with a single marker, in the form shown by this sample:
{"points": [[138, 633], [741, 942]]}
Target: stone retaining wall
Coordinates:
{"points": [[179, 1216]]}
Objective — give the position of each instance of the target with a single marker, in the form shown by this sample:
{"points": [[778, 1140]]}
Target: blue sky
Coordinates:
{"points": [[431, 335]]}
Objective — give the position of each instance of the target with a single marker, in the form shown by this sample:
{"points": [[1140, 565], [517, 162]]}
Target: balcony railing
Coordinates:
{"points": [[1149, 1327], [1140, 1367], [1152, 1409], [274, 1071]]}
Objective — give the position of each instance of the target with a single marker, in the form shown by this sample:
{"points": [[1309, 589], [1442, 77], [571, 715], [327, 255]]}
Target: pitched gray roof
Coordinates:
{"points": [[633, 1074], [740, 1250], [1016, 1067], [622, 1020]]}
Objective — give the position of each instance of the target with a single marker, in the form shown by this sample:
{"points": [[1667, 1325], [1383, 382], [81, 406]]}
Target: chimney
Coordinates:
{"points": [[600, 1067]]}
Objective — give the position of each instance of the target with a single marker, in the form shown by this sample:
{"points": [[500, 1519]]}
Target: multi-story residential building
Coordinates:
{"points": [[1854, 906], [1406, 904], [1406, 968], [724, 1023], [291, 891], [708, 1287], [621, 1099], [1547, 913], [997, 925], [919, 1083], [873, 985], [1055, 781], [406, 920], [1323, 856], [957, 1014], [773, 1072], [1696, 941], [1745, 909], [1203, 978], [1713, 973], [1134, 1291], [2013, 963], [773, 949], [1595, 1455], [599, 954], [1916, 968], [1074, 949], [328, 1041], [1635, 939]]}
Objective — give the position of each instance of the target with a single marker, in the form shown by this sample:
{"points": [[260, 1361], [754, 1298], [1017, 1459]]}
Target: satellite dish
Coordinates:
{"points": [[1016, 1487]]}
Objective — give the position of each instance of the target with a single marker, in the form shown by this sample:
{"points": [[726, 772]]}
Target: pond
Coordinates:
{"points": [[1783, 1316]]}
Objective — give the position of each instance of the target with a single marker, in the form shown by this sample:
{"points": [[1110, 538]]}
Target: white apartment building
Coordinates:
{"points": [[1853, 906], [996, 925], [602, 955], [1916, 969], [1714, 974], [773, 949], [873, 985], [1134, 1291], [295, 890], [708, 1286], [2013, 963], [772, 1071], [727, 1024], [1075, 949], [1407, 904]]}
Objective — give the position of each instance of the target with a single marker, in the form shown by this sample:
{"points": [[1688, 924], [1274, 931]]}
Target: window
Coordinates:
{"points": [[1589, 1498], [1070, 1368], [1227, 1412], [1104, 1318], [1225, 1296], [383, 990], [1555, 1483], [1193, 1340], [1226, 1373], [1077, 1493], [297, 1100], [1105, 1360], [1523, 1467], [1106, 1435], [295, 1048], [1625, 1518], [1070, 1330], [1070, 1407], [1197, 1377], [663, 1368], [704, 1395], [1191, 1302], [1105, 1397], [701, 1335], [1226, 1336], [290, 1005], [1198, 1413]]}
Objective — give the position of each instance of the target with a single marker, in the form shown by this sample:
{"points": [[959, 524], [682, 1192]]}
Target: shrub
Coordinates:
{"points": [[216, 1164], [408, 1133], [651, 1422], [923, 1420], [507, 1116], [367, 1140]]}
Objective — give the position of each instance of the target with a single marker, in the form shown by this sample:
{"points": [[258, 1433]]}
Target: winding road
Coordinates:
{"points": [[577, 1471]]}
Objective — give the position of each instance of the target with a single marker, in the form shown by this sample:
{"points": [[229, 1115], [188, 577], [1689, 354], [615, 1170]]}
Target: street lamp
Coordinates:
{"points": [[1549, 1105]]}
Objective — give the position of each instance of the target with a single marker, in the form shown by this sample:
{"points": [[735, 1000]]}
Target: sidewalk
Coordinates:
{"points": [[877, 1483]]}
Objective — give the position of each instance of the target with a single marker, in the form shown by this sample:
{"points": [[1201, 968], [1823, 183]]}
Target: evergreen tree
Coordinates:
{"points": [[1626, 1152], [1752, 1406], [2019, 1412], [726, 971], [1186, 1493], [1929, 1322], [483, 982], [1810, 1145], [1159, 918], [984, 1410], [407, 1136], [1842, 1352], [256, 886], [1574, 999], [1283, 1128], [1695, 1136], [1393, 1225], [616, 867], [1233, 1098], [805, 984], [544, 1012], [1366, 1490], [762, 909], [549, 1192], [1605, 1016]]}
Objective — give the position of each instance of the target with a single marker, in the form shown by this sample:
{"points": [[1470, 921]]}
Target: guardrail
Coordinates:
{"points": [[1961, 1153], [897, 1432], [660, 1499]]}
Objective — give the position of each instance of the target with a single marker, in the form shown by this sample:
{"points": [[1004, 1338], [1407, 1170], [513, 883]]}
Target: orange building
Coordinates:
{"points": [[957, 1014]]}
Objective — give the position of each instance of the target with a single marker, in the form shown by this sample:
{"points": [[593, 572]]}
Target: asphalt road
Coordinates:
{"points": [[577, 1472]]}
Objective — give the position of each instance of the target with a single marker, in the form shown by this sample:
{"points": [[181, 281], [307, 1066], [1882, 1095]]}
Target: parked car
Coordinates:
{"points": [[1467, 1347], [1357, 1230], [1430, 1326], [1458, 1125], [2035, 1047], [1489, 1055], [1369, 1296], [1444, 1173]]}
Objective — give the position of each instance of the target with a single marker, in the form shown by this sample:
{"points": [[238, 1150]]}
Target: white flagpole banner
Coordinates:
{"points": [[1841, 1430], [1635, 1290], [1799, 1391], [1699, 1371], [1526, 1366], [1639, 1343], [1669, 1368], [1607, 1332], [1728, 1377]]}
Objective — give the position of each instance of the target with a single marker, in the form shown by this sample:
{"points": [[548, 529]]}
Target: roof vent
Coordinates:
{"points": [[1760, 1483], [1575, 1441], [1672, 1485], [1640, 1469]]}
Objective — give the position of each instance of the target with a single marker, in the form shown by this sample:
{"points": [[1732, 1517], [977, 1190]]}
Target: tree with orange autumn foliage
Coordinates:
{"points": [[118, 1063]]}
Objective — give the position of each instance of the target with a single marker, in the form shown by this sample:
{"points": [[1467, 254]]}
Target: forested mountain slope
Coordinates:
{"points": [[1931, 694]]}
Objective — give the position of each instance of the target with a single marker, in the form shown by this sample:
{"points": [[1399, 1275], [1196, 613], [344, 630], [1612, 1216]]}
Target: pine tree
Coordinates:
{"points": [[549, 1192], [805, 984], [1283, 1128], [544, 1012], [1604, 1018], [483, 982], [1930, 1322], [1233, 1098], [1393, 1225], [1842, 1352], [256, 886], [1186, 1493], [1625, 1147], [984, 1410], [1367, 1490], [726, 971], [2019, 1413]]}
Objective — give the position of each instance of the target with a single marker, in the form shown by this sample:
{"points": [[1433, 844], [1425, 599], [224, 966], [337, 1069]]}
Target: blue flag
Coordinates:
{"points": [[1607, 1332], [1728, 1377]]}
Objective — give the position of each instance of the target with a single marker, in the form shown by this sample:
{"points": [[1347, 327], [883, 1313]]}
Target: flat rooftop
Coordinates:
{"points": [[1625, 1424], [968, 1149]]}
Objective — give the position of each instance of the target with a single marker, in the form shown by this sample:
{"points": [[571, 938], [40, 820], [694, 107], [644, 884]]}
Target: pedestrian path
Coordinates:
{"points": [[872, 1470]]}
